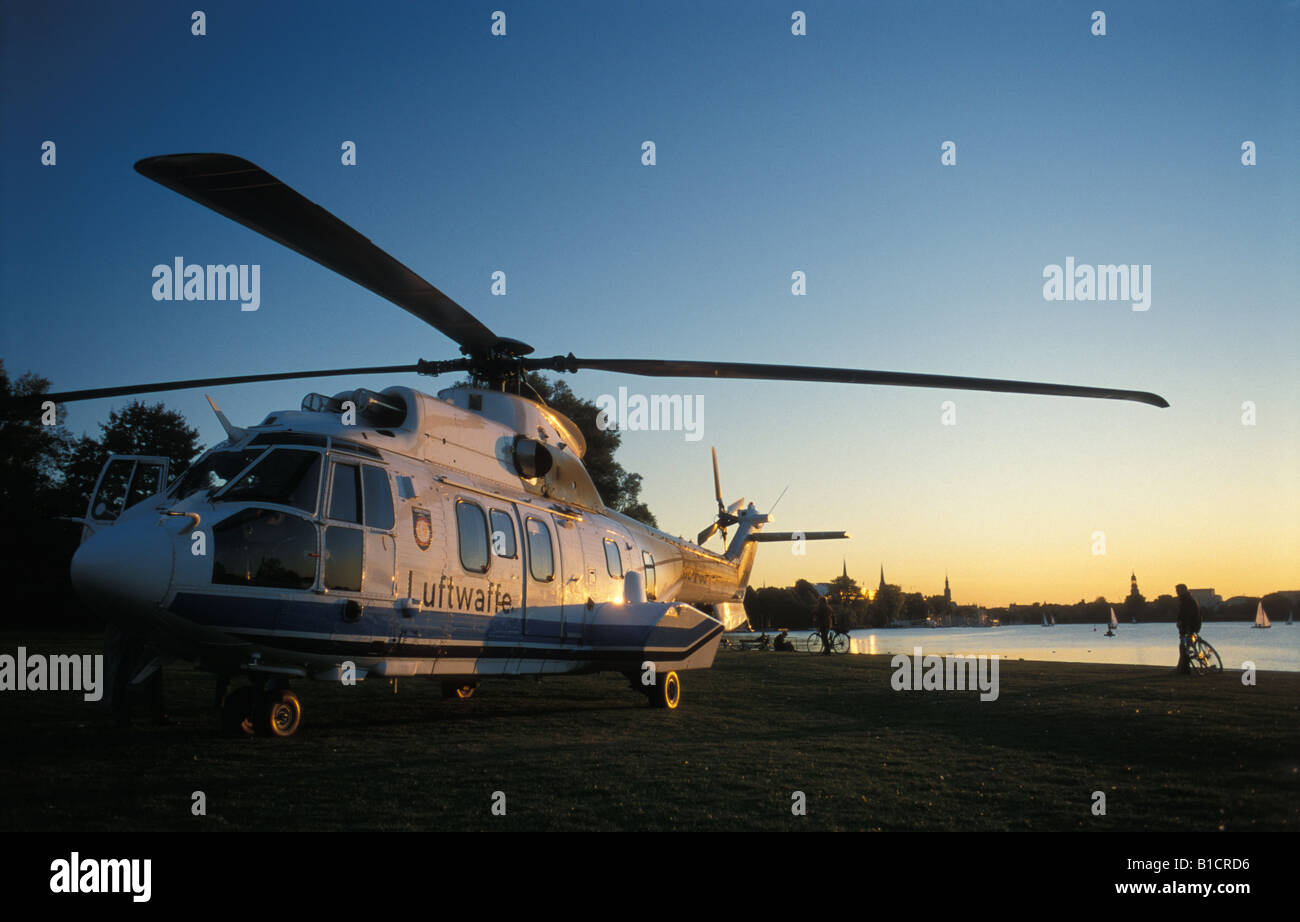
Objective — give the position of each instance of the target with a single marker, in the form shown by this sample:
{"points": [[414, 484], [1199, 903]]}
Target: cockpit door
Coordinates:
{"points": [[124, 481]]}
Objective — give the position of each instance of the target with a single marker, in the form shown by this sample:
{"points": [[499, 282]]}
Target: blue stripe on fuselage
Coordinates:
{"points": [[325, 617]]}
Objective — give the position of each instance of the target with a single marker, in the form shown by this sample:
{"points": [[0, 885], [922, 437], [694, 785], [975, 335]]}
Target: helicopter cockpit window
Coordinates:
{"points": [[146, 482], [112, 488], [263, 547], [503, 534], [289, 438], [378, 497], [345, 493], [541, 560], [472, 529], [214, 471], [613, 561], [286, 476]]}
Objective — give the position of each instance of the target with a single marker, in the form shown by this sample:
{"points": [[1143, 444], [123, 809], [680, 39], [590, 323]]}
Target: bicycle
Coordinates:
{"points": [[1202, 658], [839, 642]]}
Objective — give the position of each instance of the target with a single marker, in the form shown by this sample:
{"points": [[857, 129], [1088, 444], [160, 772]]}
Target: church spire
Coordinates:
{"points": [[882, 576], [947, 592], [846, 568]]}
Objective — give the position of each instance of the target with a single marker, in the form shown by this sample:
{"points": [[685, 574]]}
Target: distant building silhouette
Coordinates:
{"points": [[1134, 605]]}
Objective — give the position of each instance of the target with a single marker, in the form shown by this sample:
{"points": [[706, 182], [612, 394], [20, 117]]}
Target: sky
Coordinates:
{"points": [[774, 153]]}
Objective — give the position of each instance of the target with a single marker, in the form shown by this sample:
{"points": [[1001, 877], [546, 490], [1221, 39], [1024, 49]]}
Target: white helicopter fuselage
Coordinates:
{"points": [[323, 541]]}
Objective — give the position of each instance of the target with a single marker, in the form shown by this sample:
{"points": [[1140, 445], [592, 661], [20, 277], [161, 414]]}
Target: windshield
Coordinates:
{"points": [[286, 476], [214, 471]]}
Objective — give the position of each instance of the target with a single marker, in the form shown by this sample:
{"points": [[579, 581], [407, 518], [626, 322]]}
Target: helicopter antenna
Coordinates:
{"points": [[778, 500]]}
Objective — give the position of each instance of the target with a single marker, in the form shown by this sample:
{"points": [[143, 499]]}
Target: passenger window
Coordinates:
{"points": [[345, 494], [649, 562], [503, 534], [613, 561], [286, 476], [472, 528], [541, 562], [405, 487], [379, 497], [343, 558]]}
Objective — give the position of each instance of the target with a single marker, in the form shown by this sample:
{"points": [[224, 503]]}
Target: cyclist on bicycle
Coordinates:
{"points": [[825, 619], [1189, 622]]}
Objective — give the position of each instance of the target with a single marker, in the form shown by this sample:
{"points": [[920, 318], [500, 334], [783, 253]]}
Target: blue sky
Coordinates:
{"points": [[774, 153]]}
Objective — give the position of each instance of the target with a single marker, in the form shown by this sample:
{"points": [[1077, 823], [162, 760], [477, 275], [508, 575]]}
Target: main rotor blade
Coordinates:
{"points": [[99, 392], [689, 369], [246, 193]]}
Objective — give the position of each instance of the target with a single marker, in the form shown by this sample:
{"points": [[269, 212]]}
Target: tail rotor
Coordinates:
{"points": [[726, 514]]}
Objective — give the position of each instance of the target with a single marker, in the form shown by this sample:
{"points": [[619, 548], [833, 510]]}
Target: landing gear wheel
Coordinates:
{"points": [[237, 712], [457, 690], [666, 693], [280, 714]]}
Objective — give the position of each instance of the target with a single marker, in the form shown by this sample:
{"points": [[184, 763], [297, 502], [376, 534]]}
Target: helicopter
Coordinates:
{"points": [[393, 533]]}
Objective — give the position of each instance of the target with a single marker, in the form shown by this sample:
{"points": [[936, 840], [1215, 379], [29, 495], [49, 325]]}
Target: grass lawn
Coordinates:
{"points": [[1170, 753]]}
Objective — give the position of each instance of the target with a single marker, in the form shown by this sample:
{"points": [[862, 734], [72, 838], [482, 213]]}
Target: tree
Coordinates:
{"points": [[846, 598], [806, 594], [138, 429], [914, 607], [31, 452], [35, 546], [772, 607], [887, 606], [843, 590]]}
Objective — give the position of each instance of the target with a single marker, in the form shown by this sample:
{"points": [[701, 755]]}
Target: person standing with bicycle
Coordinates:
{"points": [[825, 621], [1189, 622]]}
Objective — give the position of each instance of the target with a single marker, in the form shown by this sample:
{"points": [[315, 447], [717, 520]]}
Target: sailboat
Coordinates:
{"points": [[1114, 623], [1049, 620], [1261, 619]]}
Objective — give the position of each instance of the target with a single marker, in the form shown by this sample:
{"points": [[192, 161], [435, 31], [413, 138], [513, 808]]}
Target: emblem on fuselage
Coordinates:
{"points": [[422, 525]]}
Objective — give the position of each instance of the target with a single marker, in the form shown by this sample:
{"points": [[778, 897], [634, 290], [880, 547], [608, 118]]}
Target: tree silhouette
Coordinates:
{"points": [[31, 453], [138, 429]]}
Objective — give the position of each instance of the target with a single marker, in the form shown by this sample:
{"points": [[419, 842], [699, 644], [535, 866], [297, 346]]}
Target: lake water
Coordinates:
{"points": [[1277, 647]]}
